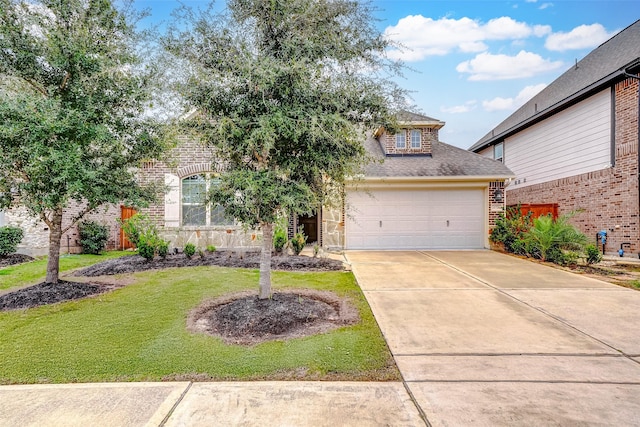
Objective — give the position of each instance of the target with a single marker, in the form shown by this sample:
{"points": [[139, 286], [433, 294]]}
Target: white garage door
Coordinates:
{"points": [[415, 219]]}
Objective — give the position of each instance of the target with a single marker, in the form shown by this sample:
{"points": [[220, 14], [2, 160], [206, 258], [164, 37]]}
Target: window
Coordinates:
{"points": [[195, 209], [416, 139], [497, 152], [401, 140]]}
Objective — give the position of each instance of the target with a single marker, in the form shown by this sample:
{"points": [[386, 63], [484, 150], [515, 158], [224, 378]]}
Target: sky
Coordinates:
{"points": [[472, 63]]}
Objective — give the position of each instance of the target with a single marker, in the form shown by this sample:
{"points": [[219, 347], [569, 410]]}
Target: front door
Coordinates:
{"points": [[309, 224]]}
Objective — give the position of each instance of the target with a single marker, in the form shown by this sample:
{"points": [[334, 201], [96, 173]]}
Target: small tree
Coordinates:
{"points": [[285, 90], [73, 90]]}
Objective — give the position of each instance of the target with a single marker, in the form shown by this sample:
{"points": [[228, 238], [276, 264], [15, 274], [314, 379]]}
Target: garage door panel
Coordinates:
{"points": [[416, 219]]}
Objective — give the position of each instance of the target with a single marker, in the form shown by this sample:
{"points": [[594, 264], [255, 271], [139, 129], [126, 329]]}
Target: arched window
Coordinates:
{"points": [[195, 209]]}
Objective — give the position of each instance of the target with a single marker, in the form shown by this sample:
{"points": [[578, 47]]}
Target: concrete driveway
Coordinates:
{"points": [[482, 338]]}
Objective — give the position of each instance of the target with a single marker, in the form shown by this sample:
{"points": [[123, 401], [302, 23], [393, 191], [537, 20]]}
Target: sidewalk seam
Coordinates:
{"points": [[175, 405]]}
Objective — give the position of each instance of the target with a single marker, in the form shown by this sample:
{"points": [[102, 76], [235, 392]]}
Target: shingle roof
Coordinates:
{"points": [[408, 116], [445, 161], [598, 68]]}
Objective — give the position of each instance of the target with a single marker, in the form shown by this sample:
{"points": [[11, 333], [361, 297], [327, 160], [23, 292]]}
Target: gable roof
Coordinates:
{"points": [[445, 161], [408, 116], [605, 65]]}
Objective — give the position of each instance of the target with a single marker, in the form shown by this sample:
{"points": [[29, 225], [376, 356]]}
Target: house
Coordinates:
{"points": [[419, 193], [575, 144]]}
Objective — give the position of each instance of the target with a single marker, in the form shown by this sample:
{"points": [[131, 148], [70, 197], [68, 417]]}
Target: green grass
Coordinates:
{"points": [[139, 333], [33, 272]]}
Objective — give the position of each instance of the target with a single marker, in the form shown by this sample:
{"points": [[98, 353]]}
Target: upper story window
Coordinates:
{"points": [[497, 152], [195, 209], [416, 138], [401, 140]]}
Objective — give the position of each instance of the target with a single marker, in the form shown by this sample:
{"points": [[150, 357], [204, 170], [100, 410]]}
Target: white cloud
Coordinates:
{"points": [[486, 66], [582, 37], [464, 108], [544, 6], [498, 103], [422, 37]]}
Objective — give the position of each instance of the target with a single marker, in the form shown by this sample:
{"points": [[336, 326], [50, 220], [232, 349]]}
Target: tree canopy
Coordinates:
{"points": [[73, 90], [285, 91]]}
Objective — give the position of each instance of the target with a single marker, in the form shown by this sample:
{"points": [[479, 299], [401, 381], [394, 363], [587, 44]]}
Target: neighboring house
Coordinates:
{"points": [[575, 144], [425, 195]]}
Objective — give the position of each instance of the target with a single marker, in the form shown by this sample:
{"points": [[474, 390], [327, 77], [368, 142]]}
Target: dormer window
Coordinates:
{"points": [[401, 140], [416, 139]]}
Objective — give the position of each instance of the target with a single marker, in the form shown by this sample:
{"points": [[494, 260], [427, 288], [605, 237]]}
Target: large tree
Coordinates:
{"points": [[285, 91], [73, 93]]}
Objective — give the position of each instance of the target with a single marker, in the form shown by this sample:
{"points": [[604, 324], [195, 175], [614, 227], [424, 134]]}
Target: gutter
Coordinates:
{"points": [[428, 179]]}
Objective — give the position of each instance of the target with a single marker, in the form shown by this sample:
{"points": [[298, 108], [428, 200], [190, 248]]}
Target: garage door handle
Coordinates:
{"points": [[380, 224], [447, 223]]}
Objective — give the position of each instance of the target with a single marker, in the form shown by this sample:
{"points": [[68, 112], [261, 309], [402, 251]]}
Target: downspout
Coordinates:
{"points": [[634, 76]]}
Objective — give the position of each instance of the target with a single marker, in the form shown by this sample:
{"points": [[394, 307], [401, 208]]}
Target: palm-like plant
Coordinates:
{"points": [[548, 235]]}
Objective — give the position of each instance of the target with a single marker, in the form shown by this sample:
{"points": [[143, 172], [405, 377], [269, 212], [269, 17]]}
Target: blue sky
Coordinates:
{"points": [[472, 63]]}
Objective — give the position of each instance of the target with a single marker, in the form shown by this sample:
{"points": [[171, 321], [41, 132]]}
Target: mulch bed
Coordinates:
{"points": [[244, 319], [49, 293], [134, 263], [13, 259]]}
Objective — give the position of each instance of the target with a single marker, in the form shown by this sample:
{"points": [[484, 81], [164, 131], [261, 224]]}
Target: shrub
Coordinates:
{"points": [[138, 226], [279, 239], [211, 248], [163, 249], [189, 250], [10, 238], [147, 248], [93, 237], [510, 230], [593, 254], [298, 242], [549, 238]]}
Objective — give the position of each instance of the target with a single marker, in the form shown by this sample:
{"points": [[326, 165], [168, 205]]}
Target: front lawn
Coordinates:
{"points": [[138, 333], [32, 272]]}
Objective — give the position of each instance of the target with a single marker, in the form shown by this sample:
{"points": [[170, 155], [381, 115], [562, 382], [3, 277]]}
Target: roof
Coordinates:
{"points": [[600, 68], [408, 116], [445, 161]]}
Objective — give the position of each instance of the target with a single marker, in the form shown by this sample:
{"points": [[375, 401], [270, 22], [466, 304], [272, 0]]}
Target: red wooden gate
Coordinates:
{"points": [[126, 212], [538, 209]]}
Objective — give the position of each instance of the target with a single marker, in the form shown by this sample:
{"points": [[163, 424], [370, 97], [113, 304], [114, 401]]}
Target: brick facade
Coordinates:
{"points": [[609, 197], [428, 136]]}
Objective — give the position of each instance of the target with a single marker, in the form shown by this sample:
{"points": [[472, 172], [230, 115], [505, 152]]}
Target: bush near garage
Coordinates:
{"points": [[544, 238]]}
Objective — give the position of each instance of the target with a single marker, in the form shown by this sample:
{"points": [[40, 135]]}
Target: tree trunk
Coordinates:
{"points": [[55, 234], [265, 261]]}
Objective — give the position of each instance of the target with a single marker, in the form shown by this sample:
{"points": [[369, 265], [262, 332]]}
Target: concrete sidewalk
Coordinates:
{"points": [[328, 404], [482, 338]]}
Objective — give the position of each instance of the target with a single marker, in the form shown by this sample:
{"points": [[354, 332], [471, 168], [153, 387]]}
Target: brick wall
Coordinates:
{"points": [[496, 205], [609, 196], [429, 135]]}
